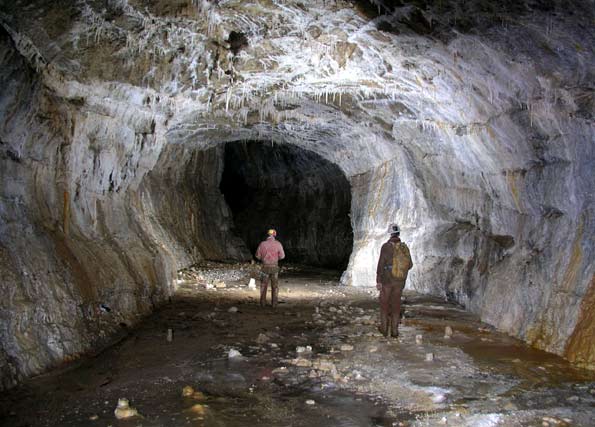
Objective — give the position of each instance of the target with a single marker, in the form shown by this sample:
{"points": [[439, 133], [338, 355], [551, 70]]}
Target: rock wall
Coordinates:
{"points": [[468, 122]]}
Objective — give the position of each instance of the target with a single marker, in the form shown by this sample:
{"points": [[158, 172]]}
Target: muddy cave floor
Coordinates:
{"points": [[351, 377]]}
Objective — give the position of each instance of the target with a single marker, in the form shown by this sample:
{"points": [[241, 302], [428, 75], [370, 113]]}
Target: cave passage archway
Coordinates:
{"points": [[305, 197]]}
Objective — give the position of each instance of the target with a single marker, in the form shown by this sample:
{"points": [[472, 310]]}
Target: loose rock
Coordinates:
{"points": [[233, 353], [198, 409], [187, 391], [448, 332], [304, 363], [124, 410], [306, 349]]}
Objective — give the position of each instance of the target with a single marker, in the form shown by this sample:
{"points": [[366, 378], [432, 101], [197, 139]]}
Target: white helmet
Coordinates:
{"points": [[394, 229]]}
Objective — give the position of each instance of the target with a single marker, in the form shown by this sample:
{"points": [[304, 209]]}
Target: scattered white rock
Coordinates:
{"points": [[438, 398], [373, 349], [443, 420], [252, 284], [170, 335], [304, 363], [233, 353], [429, 357], [209, 286], [233, 310], [94, 417], [448, 332], [346, 347], [419, 339], [124, 410], [324, 365], [310, 402], [301, 349]]}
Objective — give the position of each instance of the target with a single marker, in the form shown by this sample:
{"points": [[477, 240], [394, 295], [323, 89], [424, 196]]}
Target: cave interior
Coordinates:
{"points": [[146, 147]]}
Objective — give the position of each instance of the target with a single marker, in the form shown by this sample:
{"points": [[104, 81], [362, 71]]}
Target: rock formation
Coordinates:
{"points": [[470, 123]]}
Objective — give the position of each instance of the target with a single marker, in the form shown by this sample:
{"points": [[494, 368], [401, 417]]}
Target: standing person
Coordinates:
{"points": [[393, 265], [269, 251]]}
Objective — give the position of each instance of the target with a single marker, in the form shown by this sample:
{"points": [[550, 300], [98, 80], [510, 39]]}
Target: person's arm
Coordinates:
{"points": [[380, 267], [258, 254], [281, 253]]}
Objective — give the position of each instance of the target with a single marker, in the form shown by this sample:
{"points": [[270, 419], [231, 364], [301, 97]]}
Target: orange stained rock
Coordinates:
{"points": [[188, 391], [580, 348], [198, 409]]}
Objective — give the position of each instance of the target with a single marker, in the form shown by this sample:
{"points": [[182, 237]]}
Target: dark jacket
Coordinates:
{"points": [[385, 262]]}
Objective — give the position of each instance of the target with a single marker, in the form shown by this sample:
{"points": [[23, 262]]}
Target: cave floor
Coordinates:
{"points": [[351, 377]]}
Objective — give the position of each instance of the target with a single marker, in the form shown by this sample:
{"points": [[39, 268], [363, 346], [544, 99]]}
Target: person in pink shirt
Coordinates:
{"points": [[269, 252]]}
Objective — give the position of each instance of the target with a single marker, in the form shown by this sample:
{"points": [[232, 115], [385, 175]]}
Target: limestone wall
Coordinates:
{"points": [[471, 128]]}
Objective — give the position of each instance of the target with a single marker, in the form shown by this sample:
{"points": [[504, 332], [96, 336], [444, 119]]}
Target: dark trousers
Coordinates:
{"points": [[390, 309], [269, 273]]}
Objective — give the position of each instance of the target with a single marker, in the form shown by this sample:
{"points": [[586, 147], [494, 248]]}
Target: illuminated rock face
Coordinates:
{"points": [[471, 129]]}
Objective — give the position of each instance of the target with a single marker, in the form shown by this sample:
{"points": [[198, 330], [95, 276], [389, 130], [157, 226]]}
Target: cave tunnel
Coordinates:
{"points": [[146, 146], [304, 197]]}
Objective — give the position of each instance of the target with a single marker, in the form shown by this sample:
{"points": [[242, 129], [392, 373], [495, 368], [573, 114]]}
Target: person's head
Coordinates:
{"points": [[394, 230], [272, 233]]}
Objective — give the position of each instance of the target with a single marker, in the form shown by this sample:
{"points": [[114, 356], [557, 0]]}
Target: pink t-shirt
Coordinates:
{"points": [[270, 251]]}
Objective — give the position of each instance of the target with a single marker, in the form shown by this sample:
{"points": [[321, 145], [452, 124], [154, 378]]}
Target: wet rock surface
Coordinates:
{"points": [[316, 360], [468, 122]]}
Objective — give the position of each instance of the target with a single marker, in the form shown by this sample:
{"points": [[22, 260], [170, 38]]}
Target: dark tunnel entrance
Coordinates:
{"points": [[306, 198]]}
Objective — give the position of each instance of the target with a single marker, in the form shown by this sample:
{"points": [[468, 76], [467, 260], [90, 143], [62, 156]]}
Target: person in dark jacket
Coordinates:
{"points": [[391, 274], [269, 252]]}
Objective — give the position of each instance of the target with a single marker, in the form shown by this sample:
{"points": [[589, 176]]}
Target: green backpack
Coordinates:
{"points": [[401, 261]]}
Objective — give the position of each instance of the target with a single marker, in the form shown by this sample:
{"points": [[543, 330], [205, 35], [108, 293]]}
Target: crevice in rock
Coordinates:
{"points": [[237, 41]]}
